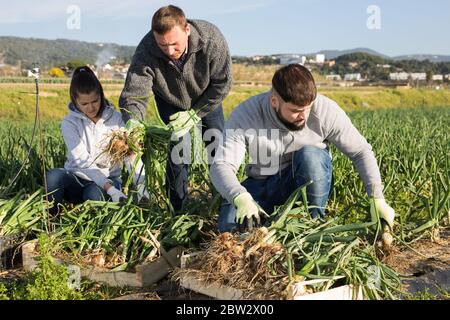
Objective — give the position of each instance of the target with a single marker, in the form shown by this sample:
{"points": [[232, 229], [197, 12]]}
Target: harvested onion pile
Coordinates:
{"points": [[254, 265]]}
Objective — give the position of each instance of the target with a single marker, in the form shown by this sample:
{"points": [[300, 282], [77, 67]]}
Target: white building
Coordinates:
{"points": [[334, 77], [352, 77], [399, 76], [438, 77], [320, 58], [422, 76], [257, 58], [107, 67], [292, 58]]}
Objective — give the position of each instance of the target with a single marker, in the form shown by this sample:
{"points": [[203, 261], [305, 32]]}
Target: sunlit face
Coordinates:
{"points": [[89, 104], [293, 117], [174, 42]]}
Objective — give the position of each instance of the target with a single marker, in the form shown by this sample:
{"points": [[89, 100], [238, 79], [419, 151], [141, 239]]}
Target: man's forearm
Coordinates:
{"points": [[225, 181]]}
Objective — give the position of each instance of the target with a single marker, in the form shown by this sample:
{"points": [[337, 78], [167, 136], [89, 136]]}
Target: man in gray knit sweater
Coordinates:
{"points": [[287, 131], [187, 65]]}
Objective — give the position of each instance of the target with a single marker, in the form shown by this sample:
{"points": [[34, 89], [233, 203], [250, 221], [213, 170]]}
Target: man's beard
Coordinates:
{"points": [[291, 126]]}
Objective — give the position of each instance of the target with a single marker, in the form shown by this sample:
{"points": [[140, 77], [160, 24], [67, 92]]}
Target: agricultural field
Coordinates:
{"points": [[409, 133]]}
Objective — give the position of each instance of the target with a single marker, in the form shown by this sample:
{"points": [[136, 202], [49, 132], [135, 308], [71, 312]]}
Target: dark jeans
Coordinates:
{"points": [[309, 163], [64, 185], [177, 174]]}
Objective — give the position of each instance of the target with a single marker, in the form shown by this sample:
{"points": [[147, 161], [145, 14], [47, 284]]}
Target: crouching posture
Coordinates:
{"points": [[287, 131], [89, 173]]}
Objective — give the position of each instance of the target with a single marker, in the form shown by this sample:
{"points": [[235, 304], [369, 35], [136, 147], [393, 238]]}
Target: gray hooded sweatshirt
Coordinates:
{"points": [[254, 123], [85, 141]]}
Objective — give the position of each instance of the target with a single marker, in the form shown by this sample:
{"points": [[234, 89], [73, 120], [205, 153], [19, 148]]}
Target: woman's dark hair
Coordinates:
{"points": [[85, 81], [295, 84]]}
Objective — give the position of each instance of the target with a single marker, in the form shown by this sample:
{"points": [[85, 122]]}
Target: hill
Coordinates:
{"points": [[26, 51]]}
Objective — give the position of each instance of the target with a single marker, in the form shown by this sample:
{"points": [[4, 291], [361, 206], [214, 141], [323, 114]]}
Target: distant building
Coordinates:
{"points": [[438, 77], [353, 64], [330, 63], [352, 77], [257, 58], [107, 67], [334, 77], [320, 58], [422, 76], [303, 60], [399, 76], [292, 59]]}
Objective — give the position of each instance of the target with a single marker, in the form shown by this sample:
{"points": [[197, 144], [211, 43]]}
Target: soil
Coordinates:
{"points": [[425, 265], [427, 256], [7, 276]]}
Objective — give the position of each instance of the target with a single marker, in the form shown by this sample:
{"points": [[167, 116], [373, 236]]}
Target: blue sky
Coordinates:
{"points": [[250, 26]]}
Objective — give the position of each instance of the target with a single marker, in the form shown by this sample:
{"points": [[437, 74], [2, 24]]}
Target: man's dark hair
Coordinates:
{"points": [[295, 84], [168, 17]]}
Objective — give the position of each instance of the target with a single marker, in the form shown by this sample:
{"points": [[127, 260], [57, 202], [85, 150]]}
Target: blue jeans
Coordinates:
{"points": [[177, 174], [309, 163], [64, 185]]}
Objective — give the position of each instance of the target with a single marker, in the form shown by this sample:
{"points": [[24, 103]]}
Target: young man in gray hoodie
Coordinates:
{"points": [[187, 65], [287, 131]]}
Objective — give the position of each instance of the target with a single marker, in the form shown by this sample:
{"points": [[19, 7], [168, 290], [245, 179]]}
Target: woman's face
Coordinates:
{"points": [[89, 104]]}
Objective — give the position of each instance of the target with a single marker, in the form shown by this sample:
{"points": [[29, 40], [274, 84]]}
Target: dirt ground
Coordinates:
{"points": [[425, 265], [426, 256]]}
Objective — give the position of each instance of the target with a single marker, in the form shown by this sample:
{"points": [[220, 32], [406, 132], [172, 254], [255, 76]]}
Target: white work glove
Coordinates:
{"points": [[115, 194], [247, 208], [142, 192], [379, 207], [182, 122]]}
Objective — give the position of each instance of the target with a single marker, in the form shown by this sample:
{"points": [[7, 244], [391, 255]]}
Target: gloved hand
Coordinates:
{"points": [[181, 122], [115, 194], [247, 208], [142, 192], [384, 211]]}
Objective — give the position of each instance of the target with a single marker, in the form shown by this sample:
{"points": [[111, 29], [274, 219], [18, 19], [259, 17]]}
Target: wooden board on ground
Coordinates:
{"points": [[296, 291], [146, 274]]}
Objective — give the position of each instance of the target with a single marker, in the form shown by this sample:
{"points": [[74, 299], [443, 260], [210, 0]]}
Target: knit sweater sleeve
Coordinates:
{"points": [[220, 77], [136, 92]]}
